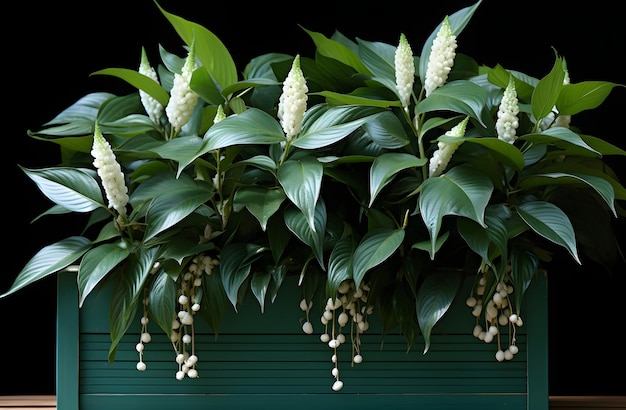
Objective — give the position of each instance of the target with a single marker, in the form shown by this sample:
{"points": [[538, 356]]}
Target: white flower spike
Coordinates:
{"points": [[441, 59], [405, 71], [110, 172], [183, 99], [507, 122], [153, 108], [441, 157], [293, 100]]}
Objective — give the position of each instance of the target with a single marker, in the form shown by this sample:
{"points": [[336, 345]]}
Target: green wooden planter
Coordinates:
{"points": [[265, 361]]}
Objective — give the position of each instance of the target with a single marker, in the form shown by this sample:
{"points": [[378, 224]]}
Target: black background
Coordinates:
{"points": [[50, 49]]}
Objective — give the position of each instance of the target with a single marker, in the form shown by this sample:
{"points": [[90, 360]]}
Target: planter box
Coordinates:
{"points": [[266, 361]]}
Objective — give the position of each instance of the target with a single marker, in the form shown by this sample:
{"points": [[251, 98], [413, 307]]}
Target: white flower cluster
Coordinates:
{"points": [[110, 172], [497, 313], [293, 100], [441, 59], [183, 99], [507, 122], [350, 306], [153, 108], [405, 71], [441, 157]]}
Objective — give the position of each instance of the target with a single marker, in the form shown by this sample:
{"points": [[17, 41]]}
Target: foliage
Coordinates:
{"points": [[349, 199]]}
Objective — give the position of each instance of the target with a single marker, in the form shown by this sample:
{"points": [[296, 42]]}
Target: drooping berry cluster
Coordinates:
{"points": [[495, 314], [350, 307], [183, 331]]}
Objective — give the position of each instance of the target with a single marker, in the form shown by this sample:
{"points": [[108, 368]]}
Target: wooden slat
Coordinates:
{"points": [[47, 402]]}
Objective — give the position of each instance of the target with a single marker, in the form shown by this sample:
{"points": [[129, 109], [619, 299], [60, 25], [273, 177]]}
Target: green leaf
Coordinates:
{"points": [[209, 49], [547, 91], [140, 81], [386, 166], [387, 130], [587, 95], [503, 151], [214, 300], [173, 205], [600, 185], [162, 301], [323, 126], [252, 126], [84, 111], [550, 222], [462, 191], [75, 189], [375, 248], [302, 180], [340, 264], [433, 300], [334, 49], [558, 135], [524, 267], [261, 202], [128, 292], [460, 96], [235, 267], [48, 260], [97, 263], [350, 99], [299, 225], [259, 284]]}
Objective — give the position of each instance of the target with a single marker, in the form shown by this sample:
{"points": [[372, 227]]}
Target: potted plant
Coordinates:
{"points": [[379, 186]]}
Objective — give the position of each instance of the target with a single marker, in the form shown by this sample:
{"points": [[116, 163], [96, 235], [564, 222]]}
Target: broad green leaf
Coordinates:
{"points": [[314, 238], [140, 81], [180, 247], [75, 189], [559, 135], [261, 202], [547, 91], [459, 96], [349, 99], [462, 191], [333, 49], [128, 126], [503, 151], [209, 49], [326, 126], [587, 95], [235, 267], [128, 293], [387, 130], [375, 248], [433, 300], [49, 260], [524, 267], [162, 301], [259, 284], [214, 303], [550, 222], [600, 185], [302, 180], [252, 126], [96, 264], [386, 166], [84, 110], [340, 263], [172, 206]]}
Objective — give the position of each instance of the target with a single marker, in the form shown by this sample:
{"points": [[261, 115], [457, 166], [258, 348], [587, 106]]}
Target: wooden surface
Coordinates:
{"points": [[556, 402]]}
